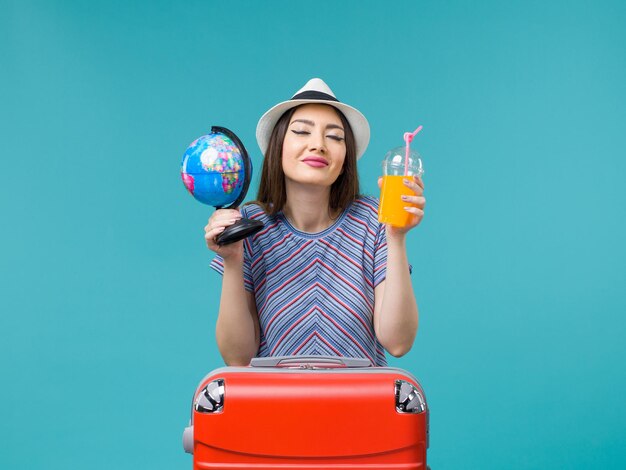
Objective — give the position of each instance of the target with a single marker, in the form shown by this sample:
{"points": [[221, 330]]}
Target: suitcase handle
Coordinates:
{"points": [[310, 362]]}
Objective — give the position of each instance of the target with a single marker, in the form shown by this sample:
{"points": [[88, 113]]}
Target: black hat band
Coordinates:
{"points": [[314, 95]]}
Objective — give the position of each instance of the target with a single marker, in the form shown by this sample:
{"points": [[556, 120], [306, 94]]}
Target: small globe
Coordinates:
{"points": [[213, 169]]}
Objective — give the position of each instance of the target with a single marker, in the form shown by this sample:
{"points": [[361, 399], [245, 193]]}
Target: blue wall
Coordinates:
{"points": [[107, 304]]}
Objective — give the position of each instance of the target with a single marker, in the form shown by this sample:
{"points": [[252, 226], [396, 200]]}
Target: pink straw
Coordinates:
{"points": [[408, 138]]}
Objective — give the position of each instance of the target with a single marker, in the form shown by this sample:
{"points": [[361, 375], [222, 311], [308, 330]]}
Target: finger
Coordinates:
{"points": [[419, 201], [222, 223], [415, 211], [418, 181], [224, 217], [228, 214], [380, 182], [417, 189], [225, 213], [212, 234]]}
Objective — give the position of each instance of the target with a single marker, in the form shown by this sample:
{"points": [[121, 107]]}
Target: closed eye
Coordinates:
{"points": [[337, 138]]}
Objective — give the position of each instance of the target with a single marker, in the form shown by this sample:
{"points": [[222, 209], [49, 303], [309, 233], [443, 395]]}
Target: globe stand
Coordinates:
{"points": [[243, 227]]}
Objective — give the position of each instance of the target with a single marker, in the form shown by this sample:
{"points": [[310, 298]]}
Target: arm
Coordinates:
{"points": [[237, 328], [395, 311], [395, 308]]}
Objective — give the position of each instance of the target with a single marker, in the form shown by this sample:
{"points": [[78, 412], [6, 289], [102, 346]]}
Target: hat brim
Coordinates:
{"points": [[358, 123]]}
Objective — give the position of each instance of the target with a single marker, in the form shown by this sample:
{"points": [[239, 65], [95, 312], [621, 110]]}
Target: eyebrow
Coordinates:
{"points": [[311, 123]]}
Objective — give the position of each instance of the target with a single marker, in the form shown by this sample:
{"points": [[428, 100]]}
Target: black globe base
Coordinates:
{"points": [[238, 231]]}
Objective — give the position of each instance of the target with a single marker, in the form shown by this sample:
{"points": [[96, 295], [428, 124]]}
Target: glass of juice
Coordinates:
{"points": [[400, 163]]}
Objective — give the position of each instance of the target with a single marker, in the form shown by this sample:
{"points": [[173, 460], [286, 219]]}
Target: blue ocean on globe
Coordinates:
{"points": [[213, 170]]}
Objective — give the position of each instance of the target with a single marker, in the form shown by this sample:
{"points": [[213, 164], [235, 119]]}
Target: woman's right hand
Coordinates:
{"points": [[218, 222]]}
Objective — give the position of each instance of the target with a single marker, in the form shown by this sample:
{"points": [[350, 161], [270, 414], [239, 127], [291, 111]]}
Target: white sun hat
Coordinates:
{"points": [[315, 91]]}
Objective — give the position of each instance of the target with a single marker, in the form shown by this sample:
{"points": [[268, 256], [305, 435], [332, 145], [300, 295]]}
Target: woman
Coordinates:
{"points": [[323, 277]]}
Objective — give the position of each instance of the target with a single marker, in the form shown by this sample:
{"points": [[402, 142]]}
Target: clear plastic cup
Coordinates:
{"points": [[396, 169]]}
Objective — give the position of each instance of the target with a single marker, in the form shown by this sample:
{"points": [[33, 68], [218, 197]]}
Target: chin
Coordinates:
{"points": [[312, 179]]}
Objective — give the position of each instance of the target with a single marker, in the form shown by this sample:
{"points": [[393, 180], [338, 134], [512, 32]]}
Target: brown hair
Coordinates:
{"points": [[272, 195]]}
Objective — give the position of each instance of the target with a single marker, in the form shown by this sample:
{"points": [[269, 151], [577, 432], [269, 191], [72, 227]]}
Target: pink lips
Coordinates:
{"points": [[315, 162]]}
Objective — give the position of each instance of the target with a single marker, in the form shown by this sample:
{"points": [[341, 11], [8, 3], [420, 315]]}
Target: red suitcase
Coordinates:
{"points": [[308, 413]]}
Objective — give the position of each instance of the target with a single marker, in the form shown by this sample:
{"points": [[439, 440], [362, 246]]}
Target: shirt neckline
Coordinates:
{"points": [[312, 236]]}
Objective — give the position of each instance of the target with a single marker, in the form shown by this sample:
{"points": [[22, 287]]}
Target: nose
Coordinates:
{"points": [[316, 142]]}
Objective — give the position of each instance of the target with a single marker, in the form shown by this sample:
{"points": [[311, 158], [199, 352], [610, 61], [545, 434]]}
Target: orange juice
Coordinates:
{"points": [[391, 210]]}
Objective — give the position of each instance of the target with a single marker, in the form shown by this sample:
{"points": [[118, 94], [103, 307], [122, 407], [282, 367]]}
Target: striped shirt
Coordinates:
{"points": [[315, 292]]}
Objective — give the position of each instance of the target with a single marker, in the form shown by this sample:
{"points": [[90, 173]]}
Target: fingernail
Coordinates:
{"points": [[404, 198]]}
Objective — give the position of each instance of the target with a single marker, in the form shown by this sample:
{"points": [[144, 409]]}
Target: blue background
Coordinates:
{"points": [[107, 303]]}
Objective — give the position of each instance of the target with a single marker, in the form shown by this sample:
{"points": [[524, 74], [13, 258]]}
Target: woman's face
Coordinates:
{"points": [[314, 147]]}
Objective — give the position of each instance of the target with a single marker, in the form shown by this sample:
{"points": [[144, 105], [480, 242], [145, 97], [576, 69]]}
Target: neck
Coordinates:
{"points": [[308, 209]]}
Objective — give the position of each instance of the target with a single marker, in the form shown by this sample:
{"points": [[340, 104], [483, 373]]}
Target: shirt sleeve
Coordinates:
{"points": [[380, 256], [217, 263]]}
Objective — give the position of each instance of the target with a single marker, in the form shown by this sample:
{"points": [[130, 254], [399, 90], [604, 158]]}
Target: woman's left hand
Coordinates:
{"points": [[415, 204]]}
